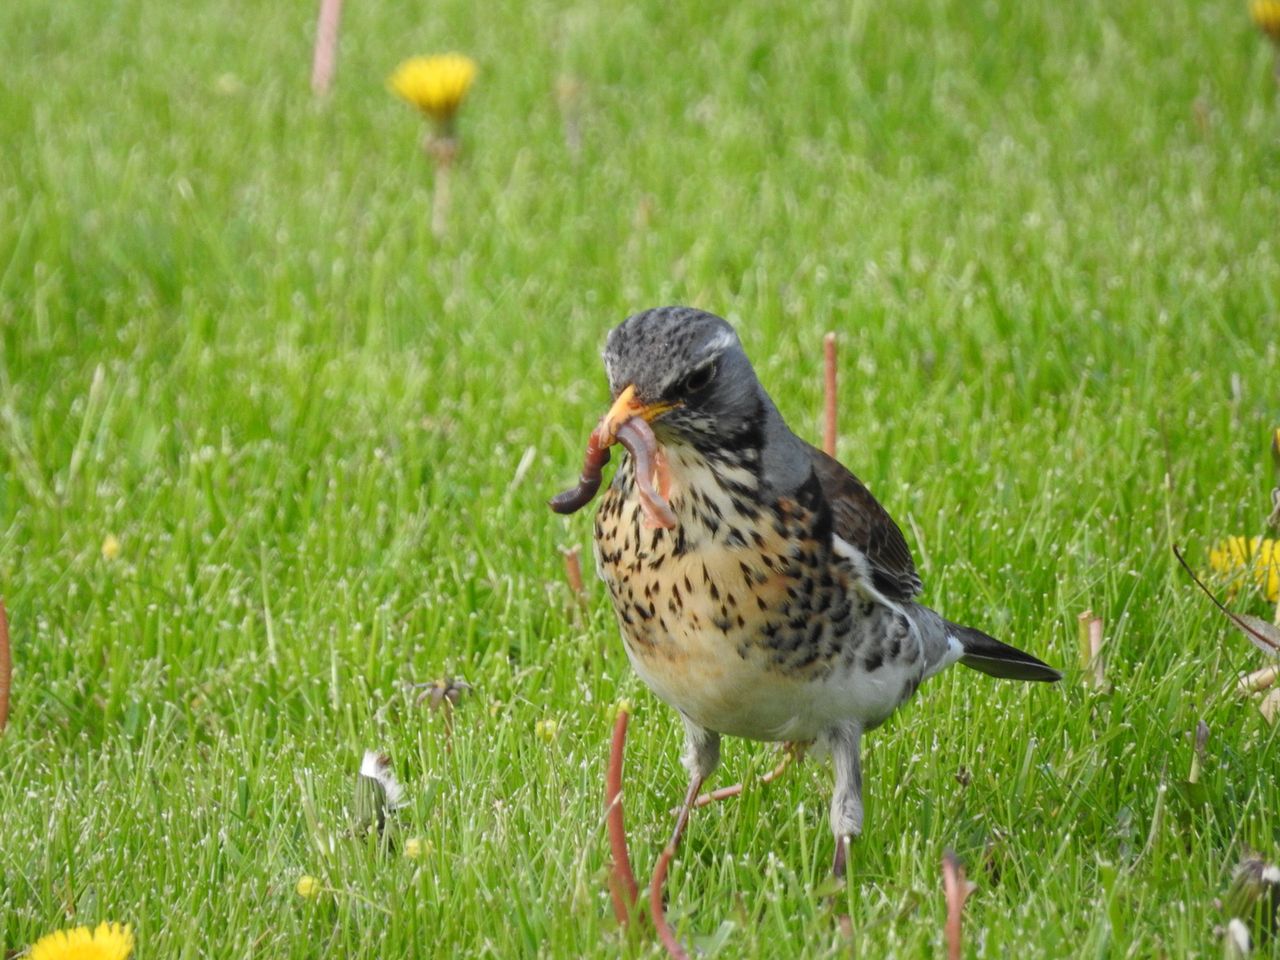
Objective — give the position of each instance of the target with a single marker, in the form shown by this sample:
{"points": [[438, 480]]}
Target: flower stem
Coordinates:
{"points": [[440, 201], [442, 147]]}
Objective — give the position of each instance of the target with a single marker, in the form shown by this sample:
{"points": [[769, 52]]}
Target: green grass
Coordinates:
{"points": [[1046, 233]]}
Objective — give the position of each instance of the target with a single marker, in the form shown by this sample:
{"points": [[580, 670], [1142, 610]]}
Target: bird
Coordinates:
{"points": [[782, 603]]}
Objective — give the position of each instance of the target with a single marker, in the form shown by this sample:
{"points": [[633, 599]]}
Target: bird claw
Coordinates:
{"points": [[794, 753]]}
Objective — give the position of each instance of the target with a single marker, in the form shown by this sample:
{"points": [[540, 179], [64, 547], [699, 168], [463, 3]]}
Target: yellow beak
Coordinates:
{"points": [[626, 407]]}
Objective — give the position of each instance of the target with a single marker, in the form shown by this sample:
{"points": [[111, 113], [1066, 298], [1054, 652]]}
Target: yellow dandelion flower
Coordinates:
{"points": [[1266, 14], [415, 848], [1257, 559], [308, 887], [435, 85], [110, 941], [547, 729], [110, 547]]}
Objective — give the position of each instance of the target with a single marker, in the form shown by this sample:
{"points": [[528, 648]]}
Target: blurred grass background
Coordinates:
{"points": [[1046, 235]]}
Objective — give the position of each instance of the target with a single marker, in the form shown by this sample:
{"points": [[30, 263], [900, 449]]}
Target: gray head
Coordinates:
{"points": [[691, 378]]}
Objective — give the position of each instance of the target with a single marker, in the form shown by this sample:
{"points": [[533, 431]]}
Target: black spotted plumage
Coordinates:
{"points": [[792, 610]]}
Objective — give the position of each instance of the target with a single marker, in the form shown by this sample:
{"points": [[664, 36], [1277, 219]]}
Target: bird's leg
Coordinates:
{"points": [[701, 757], [793, 752], [846, 801], [701, 750]]}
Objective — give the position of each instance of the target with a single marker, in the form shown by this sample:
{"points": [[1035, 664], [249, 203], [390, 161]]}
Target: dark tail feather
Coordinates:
{"points": [[989, 655]]}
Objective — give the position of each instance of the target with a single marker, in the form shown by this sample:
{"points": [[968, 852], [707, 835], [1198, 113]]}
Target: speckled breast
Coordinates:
{"points": [[740, 617]]}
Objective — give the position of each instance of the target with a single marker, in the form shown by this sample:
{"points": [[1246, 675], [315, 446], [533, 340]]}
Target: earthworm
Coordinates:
{"points": [[571, 501], [635, 435]]}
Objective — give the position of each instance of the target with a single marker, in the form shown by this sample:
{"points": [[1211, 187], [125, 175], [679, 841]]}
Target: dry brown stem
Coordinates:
{"points": [[829, 394], [1090, 641], [324, 60], [657, 910], [1095, 653], [573, 569], [957, 890], [622, 882]]}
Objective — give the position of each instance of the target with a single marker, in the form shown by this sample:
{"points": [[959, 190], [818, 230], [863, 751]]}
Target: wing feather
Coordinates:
{"points": [[859, 519]]}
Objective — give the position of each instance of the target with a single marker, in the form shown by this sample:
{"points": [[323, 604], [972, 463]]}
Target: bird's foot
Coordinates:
{"points": [[793, 753], [840, 865], [839, 871], [833, 892]]}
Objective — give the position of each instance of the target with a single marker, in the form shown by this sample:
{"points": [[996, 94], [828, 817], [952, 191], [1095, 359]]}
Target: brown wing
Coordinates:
{"points": [[859, 520]]}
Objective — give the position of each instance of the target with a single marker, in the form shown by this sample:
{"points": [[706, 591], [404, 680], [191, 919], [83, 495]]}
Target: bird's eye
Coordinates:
{"points": [[699, 380]]}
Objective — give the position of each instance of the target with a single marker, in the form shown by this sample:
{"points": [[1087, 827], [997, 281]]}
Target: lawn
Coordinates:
{"points": [[321, 439]]}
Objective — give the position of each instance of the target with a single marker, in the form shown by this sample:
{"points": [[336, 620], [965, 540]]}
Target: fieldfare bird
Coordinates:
{"points": [[761, 590]]}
